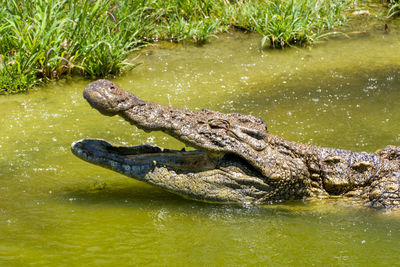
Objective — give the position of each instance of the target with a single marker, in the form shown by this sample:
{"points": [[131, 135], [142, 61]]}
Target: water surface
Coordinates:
{"points": [[58, 210]]}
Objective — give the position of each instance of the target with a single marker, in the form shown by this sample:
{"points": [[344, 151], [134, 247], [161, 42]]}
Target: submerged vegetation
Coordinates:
{"points": [[45, 39]]}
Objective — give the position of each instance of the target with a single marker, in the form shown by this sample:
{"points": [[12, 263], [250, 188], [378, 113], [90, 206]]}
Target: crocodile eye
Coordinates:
{"points": [[256, 134]]}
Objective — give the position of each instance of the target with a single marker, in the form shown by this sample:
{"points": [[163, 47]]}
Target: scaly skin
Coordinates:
{"points": [[238, 160]]}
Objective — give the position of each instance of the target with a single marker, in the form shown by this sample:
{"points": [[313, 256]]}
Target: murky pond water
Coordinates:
{"points": [[58, 210]]}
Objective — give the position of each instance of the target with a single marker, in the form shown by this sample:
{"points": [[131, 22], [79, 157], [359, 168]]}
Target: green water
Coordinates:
{"points": [[56, 210]]}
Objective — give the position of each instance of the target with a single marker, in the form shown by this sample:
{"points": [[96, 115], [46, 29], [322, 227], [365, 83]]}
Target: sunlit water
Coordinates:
{"points": [[56, 210]]}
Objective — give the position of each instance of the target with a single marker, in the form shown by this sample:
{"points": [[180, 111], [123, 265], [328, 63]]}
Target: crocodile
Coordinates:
{"points": [[234, 158]]}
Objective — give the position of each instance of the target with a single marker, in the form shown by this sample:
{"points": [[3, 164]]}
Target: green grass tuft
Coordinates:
{"points": [[46, 39]]}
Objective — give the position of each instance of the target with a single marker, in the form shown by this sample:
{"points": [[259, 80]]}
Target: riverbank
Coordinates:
{"points": [[42, 40]]}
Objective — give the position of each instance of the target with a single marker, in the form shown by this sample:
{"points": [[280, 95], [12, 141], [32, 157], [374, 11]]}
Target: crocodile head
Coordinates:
{"points": [[226, 167]]}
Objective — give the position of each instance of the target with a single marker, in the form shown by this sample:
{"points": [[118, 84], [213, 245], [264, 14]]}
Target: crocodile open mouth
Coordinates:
{"points": [[141, 159], [192, 174]]}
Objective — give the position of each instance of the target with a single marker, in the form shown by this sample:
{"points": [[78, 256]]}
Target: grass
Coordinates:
{"points": [[394, 9], [42, 40]]}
